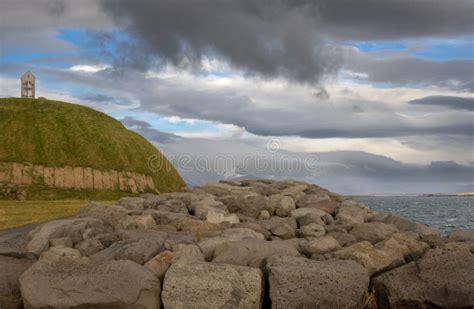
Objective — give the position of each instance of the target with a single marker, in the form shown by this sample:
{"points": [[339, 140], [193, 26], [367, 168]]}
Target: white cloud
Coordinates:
{"points": [[89, 68]]}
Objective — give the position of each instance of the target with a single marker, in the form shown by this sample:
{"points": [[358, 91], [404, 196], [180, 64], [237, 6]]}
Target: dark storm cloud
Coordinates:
{"points": [[270, 38], [402, 71], [282, 37], [145, 129], [447, 101]]}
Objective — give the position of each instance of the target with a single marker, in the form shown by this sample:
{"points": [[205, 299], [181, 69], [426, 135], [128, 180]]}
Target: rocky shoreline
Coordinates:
{"points": [[248, 244]]}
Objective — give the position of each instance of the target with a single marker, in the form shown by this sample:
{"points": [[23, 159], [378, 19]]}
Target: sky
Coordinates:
{"points": [[364, 97]]}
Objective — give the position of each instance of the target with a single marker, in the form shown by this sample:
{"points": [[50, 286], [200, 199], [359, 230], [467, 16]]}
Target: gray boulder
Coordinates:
{"points": [[11, 270], [72, 228], [405, 225], [442, 278], [319, 245], [110, 214], [373, 232], [462, 235], [344, 239], [78, 283], [138, 250], [282, 227], [89, 247], [311, 230], [208, 245], [252, 252], [303, 283], [160, 263], [132, 203], [283, 205], [373, 259], [210, 285]]}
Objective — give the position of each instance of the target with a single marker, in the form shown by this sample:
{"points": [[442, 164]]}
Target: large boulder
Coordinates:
{"points": [[320, 245], [284, 228], [462, 235], [373, 259], [252, 252], [110, 214], [208, 245], [78, 283], [75, 229], [283, 205], [132, 203], [11, 269], [303, 283], [443, 277], [404, 224], [185, 253], [210, 285], [138, 250], [373, 232]]}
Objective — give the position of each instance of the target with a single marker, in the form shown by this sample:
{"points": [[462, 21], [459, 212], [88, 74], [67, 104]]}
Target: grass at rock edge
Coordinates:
{"points": [[15, 214]]}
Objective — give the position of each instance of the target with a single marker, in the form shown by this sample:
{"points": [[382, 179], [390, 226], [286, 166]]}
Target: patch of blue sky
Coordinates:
{"points": [[57, 60], [372, 47], [168, 124], [447, 49], [100, 45]]}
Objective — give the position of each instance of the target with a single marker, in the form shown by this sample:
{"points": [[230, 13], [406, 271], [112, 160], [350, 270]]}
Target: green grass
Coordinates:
{"points": [[54, 133], [20, 213]]}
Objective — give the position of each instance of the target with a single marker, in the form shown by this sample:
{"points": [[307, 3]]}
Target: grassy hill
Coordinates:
{"points": [[54, 133]]}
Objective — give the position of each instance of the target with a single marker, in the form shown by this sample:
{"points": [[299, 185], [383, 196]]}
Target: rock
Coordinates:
{"points": [[283, 205], [72, 228], [442, 278], [138, 250], [309, 218], [61, 242], [320, 245], [11, 270], [327, 206], [367, 255], [54, 253], [249, 205], [373, 232], [208, 245], [145, 221], [215, 215], [462, 235], [162, 262], [405, 245], [264, 215], [112, 215], [78, 283], [404, 224], [281, 227], [303, 283], [344, 239], [209, 285], [132, 203], [89, 247], [255, 227], [252, 252], [159, 264], [175, 239], [312, 230], [351, 214], [169, 202], [301, 212], [309, 200], [284, 231]]}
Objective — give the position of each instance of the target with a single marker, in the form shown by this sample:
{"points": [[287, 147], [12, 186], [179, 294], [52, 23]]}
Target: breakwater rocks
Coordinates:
{"points": [[249, 244]]}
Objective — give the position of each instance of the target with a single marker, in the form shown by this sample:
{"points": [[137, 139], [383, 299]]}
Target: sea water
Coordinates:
{"points": [[442, 212]]}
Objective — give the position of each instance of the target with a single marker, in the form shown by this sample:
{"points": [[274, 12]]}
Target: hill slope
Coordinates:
{"points": [[54, 133]]}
